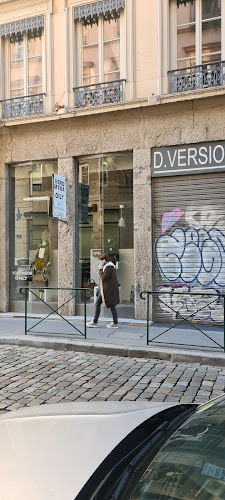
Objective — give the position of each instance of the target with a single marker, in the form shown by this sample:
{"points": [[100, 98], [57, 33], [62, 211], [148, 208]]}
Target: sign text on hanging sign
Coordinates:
{"points": [[59, 198]]}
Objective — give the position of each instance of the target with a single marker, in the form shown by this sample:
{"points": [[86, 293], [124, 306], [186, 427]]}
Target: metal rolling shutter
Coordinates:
{"points": [[189, 245]]}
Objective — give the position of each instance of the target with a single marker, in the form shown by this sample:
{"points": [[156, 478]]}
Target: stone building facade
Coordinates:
{"points": [[104, 95]]}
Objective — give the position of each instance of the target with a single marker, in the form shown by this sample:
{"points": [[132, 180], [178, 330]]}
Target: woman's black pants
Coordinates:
{"points": [[98, 308]]}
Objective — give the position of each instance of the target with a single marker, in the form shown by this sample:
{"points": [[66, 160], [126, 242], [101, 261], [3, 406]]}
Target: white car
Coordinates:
{"points": [[113, 450]]}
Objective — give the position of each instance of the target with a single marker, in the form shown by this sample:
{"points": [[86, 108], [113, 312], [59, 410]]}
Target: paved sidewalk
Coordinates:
{"points": [[129, 340]]}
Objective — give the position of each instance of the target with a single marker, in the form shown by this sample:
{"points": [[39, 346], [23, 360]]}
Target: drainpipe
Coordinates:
{"points": [[66, 24], [132, 50], [49, 54], [159, 36]]}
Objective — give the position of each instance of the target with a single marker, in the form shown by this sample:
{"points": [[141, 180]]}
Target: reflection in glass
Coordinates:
{"points": [[17, 75], [16, 93], [90, 55], [92, 80], [186, 14], [191, 464], [16, 69], [111, 30], [211, 59], [111, 50], [186, 35], [101, 43], [211, 33], [186, 65], [110, 184], [34, 90], [90, 35], [111, 77], [111, 56], [90, 62], [33, 232], [16, 51], [211, 8], [34, 47], [32, 65], [211, 40], [186, 46], [34, 71]]}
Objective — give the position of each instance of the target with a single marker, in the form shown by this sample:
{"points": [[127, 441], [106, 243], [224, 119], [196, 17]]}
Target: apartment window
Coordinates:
{"points": [[211, 31], [198, 33], [84, 174], [98, 32], [25, 65], [101, 51], [23, 47]]}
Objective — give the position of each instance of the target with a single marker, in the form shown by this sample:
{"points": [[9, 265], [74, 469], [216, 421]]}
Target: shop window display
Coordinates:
{"points": [[33, 232], [106, 219]]}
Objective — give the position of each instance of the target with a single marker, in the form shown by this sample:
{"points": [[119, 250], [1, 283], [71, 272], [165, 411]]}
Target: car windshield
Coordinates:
{"points": [[191, 465]]}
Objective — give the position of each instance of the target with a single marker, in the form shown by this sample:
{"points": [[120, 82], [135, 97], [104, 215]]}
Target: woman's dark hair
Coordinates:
{"points": [[104, 256]]}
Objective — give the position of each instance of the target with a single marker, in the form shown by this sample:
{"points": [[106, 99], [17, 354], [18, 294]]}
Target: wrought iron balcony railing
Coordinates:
{"points": [[197, 77], [28, 105], [99, 93]]}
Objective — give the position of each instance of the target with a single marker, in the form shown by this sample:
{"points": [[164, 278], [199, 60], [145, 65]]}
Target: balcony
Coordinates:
{"points": [[18, 107], [199, 77], [99, 93]]}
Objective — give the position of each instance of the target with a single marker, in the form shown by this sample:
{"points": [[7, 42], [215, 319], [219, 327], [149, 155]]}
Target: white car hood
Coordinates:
{"points": [[50, 451]]}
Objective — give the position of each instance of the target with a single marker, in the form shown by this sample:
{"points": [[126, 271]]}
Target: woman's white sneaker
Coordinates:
{"points": [[112, 325], [92, 324]]}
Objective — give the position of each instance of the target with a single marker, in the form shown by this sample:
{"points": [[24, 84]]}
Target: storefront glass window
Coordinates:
{"points": [[106, 219], [33, 232]]}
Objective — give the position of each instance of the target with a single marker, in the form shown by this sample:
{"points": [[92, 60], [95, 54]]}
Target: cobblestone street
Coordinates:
{"points": [[31, 376]]}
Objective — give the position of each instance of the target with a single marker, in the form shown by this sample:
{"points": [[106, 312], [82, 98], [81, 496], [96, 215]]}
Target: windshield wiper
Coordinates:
{"points": [[156, 439], [119, 465], [138, 459]]}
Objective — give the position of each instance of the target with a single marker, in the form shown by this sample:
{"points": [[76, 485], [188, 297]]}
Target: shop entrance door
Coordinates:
{"points": [[106, 224]]}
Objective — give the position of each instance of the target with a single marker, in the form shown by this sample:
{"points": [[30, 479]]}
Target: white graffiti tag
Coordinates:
{"points": [[205, 307], [192, 256]]}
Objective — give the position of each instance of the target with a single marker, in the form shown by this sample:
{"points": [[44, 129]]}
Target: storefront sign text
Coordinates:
{"points": [[188, 159], [22, 275], [59, 197], [83, 202]]}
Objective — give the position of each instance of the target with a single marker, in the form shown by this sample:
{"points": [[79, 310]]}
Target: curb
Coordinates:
{"points": [[166, 354]]}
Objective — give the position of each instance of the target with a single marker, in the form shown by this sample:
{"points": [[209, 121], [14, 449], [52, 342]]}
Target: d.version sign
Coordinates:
{"points": [[59, 197], [188, 159]]}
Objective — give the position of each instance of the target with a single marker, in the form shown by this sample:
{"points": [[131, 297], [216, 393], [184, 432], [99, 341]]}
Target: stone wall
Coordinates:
{"points": [[136, 130]]}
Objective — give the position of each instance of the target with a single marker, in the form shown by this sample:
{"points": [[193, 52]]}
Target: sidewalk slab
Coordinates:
{"points": [[129, 340]]}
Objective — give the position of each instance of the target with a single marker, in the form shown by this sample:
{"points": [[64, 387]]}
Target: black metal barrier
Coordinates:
{"points": [[194, 324], [86, 292]]}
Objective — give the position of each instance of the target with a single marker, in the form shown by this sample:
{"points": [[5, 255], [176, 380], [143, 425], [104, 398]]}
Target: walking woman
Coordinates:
{"points": [[109, 291]]}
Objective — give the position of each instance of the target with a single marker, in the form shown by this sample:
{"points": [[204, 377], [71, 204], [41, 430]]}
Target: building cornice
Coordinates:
{"points": [[146, 102]]}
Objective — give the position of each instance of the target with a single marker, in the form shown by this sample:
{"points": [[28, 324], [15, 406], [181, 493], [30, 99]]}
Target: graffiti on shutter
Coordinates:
{"points": [[190, 247]]}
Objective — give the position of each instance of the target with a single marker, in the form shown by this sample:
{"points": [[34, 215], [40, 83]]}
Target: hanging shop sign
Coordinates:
{"points": [[83, 203], [188, 159], [59, 198]]}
